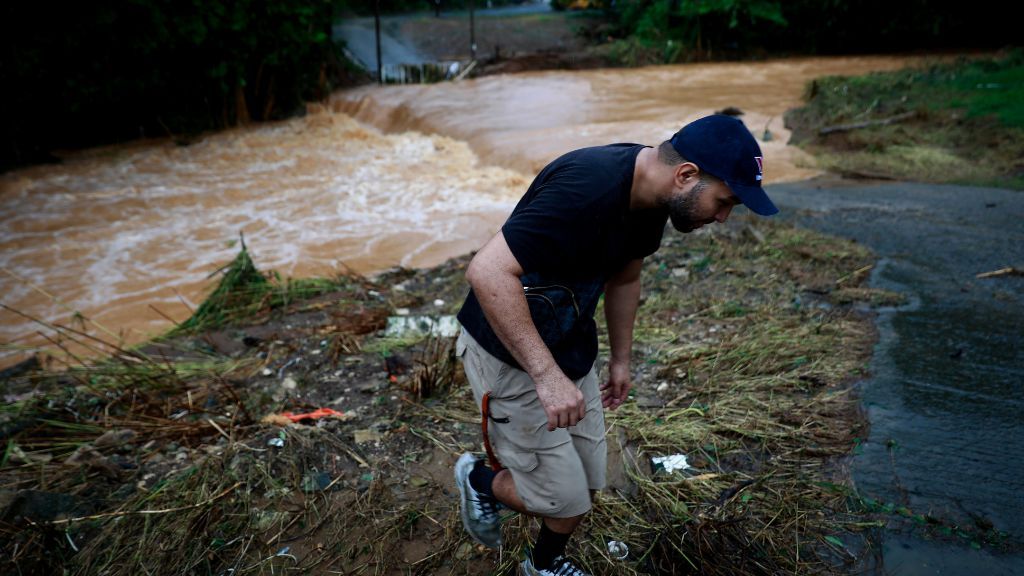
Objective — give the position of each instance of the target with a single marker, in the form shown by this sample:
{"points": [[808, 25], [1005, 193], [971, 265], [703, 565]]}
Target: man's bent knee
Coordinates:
{"points": [[564, 525], [554, 500]]}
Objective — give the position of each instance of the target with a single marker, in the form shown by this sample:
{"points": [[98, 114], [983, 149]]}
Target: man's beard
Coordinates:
{"points": [[682, 208]]}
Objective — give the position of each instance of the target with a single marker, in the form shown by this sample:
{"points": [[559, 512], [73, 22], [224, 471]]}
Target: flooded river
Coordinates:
{"points": [[523, 121], [383, 176], [129, 235]]}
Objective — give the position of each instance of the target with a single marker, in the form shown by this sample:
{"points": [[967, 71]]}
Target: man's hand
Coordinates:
{"points": [[616, 390], [621, 298], [561, 399]]}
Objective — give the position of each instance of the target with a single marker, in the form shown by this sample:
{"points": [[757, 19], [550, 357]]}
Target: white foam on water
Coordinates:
{"points": [[110, 233]]}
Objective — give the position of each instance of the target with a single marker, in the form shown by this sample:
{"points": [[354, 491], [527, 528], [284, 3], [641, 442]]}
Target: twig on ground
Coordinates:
{"points": [[1008, 271]]}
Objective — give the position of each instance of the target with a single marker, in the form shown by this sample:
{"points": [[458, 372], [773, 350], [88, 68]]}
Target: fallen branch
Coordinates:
{"points": [[867, 123], [1008, 271], [855, 273]]}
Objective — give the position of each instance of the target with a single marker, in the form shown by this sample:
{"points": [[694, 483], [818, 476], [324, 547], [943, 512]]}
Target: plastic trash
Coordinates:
{"points": [[671, 463], [286, 418], [618, 550], [402, 326], [316, 415], [315, 481]]}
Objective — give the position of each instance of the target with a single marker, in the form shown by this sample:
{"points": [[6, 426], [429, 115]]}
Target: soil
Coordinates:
{"points": [[181, 447]]}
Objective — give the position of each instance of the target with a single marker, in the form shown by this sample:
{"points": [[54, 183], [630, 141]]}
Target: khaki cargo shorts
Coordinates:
{"points": [[553, 471]]}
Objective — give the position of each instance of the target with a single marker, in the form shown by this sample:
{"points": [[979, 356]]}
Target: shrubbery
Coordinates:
{"points": [[699, 29], [84, 73], [79, 74]]}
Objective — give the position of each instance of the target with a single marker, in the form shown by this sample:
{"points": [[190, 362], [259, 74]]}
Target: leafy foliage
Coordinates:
{"points": [[689, 29], [105, 71]]}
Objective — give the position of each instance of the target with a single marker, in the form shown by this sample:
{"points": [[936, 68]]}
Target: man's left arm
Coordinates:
{"points": [[621, 298]]}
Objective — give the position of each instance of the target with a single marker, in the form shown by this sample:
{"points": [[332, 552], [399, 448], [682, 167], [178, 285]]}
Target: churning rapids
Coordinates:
{"points": [[378, 177]]}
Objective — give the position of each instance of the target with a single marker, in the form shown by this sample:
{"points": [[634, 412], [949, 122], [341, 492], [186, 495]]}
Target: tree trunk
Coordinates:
{"points": [[241, 108], [268, 100]]}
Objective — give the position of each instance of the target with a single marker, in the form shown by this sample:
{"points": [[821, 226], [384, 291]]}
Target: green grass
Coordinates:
{"points": [[983, 88], [979, 87], [966, 124]]}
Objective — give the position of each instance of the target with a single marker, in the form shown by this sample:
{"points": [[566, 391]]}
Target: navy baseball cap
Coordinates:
{"points": [[723, 147]]}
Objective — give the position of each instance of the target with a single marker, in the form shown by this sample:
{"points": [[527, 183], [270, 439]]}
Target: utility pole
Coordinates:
{"points": [[376, 23], [472, 31]]}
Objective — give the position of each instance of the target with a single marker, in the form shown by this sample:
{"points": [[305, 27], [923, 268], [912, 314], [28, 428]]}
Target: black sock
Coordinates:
{"points": [[481, 478], [550, 545]]}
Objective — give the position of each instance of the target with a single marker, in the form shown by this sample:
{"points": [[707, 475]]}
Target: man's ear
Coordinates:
{"points": [[686, 173]]}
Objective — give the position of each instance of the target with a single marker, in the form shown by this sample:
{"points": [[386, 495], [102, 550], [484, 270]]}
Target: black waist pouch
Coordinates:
{"points": [[554, 311], [563, 316]]}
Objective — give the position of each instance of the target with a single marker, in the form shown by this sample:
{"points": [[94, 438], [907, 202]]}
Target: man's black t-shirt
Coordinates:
{"points": [[571, 232]]}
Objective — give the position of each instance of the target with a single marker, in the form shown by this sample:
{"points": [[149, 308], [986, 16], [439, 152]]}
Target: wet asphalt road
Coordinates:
{"points": [[946, 395]]}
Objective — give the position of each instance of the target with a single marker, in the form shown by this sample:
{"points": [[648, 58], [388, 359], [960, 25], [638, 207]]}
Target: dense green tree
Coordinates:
{"points": [[702, 28], [93, 72], [77, 74]]}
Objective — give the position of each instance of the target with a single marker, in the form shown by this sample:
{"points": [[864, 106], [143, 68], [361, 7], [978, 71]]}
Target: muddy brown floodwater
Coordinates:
{"points": [[116, 232], [523, 121], [383, 176]]}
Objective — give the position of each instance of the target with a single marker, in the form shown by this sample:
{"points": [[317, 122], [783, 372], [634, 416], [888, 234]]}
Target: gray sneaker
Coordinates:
{"points": [[562, 566], [479, 511]]}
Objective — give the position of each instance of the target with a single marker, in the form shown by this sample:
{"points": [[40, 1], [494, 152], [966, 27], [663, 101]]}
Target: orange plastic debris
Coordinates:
{"points": [[315, 415]]}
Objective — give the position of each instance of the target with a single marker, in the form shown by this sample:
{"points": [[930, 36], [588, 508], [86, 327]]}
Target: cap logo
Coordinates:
{"points": [[760, 166]]}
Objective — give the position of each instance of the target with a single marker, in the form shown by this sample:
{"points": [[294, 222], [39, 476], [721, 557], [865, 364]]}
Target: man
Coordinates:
{"points": [[529, 339]]}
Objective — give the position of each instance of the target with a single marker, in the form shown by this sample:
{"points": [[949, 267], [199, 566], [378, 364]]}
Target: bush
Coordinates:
{"points": [[96, 72], [743, 27]]}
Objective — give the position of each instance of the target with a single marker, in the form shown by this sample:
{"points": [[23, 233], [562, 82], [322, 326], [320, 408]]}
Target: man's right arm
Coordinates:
{"points": [[494, 275]]}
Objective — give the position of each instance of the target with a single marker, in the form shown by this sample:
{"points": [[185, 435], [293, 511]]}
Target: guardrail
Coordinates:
{"points": [[425, 72]]}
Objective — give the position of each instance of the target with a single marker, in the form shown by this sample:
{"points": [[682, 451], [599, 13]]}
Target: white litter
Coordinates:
{"points": [[671, 463], [401, 326], [618, 550]]}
